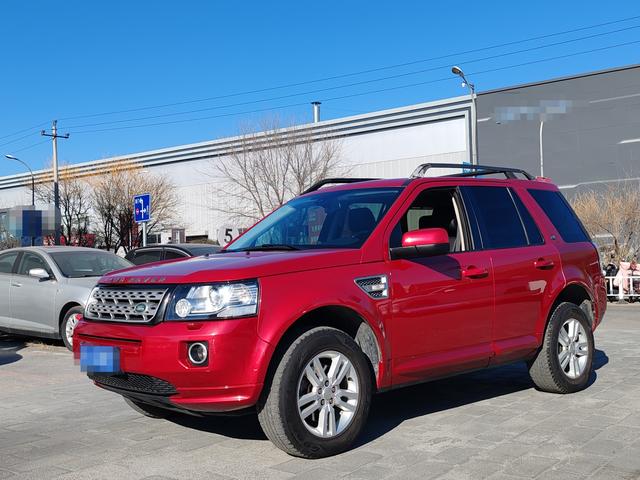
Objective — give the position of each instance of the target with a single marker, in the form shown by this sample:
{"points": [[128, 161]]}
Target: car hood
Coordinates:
{"points": [[87, 282], [233, 266]]}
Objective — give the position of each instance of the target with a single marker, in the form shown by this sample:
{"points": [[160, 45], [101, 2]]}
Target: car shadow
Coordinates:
{"points": [[9, 348], [390, 409]]}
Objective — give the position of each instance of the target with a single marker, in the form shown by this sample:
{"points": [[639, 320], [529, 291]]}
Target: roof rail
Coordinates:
{"points": [[477, 170], [329, 181]]}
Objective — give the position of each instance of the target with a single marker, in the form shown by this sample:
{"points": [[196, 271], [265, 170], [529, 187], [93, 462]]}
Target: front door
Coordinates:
{"points": [[33, 299], [442, 306]]}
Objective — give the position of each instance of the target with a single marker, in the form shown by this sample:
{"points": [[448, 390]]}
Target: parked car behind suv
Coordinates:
{"points": [[349, 290], [173, 251], [43, 289]]}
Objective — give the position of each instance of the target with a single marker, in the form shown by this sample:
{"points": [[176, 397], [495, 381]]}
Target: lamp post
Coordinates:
{"points": [[33, 182], [474, 112]]}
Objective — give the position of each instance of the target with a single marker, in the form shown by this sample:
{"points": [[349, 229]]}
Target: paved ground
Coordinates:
{"points": [[492, 424]]}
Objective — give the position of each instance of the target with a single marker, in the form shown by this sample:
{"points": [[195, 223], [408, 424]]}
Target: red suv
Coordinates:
{"points": [[351, 289]]}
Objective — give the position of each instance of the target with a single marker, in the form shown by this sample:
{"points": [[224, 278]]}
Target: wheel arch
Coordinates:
{"points": [[578, 294], [65, 308], [341, 318]]}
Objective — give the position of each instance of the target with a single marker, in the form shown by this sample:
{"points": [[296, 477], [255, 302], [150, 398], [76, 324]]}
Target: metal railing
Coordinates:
{"points": [[629, 287]]}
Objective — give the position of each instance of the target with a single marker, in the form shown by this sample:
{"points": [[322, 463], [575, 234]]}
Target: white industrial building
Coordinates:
{"points": [[388, 143]]}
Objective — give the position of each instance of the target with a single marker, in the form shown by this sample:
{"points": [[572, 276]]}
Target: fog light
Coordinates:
{"points": [[198, 353]]}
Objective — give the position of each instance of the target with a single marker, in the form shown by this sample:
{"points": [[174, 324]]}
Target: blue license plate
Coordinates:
{"points": [[99, 359]]}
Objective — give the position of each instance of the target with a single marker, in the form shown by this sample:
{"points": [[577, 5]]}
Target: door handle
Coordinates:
{"points": [[543, 264], [474, 272], [15, 284]]}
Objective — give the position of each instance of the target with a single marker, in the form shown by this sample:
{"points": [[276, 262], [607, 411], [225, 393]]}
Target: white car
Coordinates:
{"points": [[43, 290]]}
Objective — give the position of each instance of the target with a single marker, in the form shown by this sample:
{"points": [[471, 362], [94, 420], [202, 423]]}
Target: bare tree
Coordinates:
{"points": [[271, 167], [75, 205], [613, 214], [112, 197]]}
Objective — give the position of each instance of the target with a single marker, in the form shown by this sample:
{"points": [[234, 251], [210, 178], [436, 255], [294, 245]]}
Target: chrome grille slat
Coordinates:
{"points": [[118, 304]]}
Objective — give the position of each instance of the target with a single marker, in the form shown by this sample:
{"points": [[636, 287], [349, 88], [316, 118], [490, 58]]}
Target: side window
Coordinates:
{"points": [[30, 261], [173, 254], [533, 233], [6, 262], [433, 208], [561, 215], [147, 256], [498, 219]]}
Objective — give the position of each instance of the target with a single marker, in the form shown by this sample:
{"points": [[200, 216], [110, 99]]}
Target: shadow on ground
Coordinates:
{"points": [[9, 348], [392, 408]]}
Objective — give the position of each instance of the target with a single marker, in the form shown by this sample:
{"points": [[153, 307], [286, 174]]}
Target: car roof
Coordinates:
{"points": [[180, 246], [403, 182], [57, 248]]}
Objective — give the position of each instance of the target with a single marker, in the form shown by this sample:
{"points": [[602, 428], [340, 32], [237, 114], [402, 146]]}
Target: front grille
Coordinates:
{"points": [[134, 382], [122, 304]]}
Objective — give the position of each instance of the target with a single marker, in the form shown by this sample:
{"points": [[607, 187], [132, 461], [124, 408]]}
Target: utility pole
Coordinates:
{"points": [[56, 190]]}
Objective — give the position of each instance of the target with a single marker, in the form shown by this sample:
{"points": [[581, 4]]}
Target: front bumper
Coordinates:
{"points": [[152, 355]]}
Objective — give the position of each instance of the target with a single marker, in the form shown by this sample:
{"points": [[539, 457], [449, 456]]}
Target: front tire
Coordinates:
{"points": [[565, 361], [68, 325], [319, 397]]}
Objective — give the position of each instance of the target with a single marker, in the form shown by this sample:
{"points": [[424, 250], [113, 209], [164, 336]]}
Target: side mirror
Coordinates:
{"points": [[425, 242], [39, 273]]}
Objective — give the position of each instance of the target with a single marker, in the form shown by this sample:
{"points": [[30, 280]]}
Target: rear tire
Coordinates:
{"points": [[147, 410], [68, 324], [565, 361], [319, 397]]}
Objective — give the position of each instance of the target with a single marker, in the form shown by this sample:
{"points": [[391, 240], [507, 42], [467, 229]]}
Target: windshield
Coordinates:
{"points": [[88, 264], [338, 219]]}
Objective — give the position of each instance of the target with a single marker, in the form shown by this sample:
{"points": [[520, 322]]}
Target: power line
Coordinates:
{"points": [[447, 78], [17, 139], [23, 130], [351, 74], [30, 146], [353, 84]]}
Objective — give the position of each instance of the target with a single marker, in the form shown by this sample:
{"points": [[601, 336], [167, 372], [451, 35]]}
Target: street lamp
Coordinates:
{"points": [[33, 182], [474, 112]]}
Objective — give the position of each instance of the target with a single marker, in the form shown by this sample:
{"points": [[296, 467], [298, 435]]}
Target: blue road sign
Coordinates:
{"points": [[142, 207]]}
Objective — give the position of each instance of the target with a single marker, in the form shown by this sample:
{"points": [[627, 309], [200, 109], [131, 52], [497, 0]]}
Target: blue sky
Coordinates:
{"points": [[77, 58]]}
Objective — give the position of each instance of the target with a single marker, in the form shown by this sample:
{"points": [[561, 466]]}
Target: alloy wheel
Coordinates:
{"points": [[328, 394]]}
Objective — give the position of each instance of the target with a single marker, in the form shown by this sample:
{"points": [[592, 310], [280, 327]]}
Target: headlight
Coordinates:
{"points": [[219, 300]]}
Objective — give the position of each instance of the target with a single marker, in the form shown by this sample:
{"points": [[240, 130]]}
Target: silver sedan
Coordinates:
{"points": [[43, 290]]}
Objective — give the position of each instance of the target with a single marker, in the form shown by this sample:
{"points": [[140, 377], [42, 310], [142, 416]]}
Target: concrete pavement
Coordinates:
{"points": [[493, 424]]}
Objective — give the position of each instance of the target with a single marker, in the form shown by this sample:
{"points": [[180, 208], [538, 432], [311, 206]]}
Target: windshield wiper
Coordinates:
{"points": [[265, 247]]}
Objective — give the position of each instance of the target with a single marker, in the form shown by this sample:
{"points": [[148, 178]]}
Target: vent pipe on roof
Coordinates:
{"points": [[316, 111]]}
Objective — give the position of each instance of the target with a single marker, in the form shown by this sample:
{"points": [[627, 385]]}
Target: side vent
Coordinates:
{"points": [[376, 287]]}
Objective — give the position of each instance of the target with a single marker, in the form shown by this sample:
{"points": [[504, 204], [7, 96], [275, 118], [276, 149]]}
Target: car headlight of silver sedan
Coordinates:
{"points": [[216, 300]]}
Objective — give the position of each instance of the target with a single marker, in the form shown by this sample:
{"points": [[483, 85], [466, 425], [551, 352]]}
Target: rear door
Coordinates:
{"points": [[33, 299], [525, 265], [147, 255], [174, 254], [7, 262]]}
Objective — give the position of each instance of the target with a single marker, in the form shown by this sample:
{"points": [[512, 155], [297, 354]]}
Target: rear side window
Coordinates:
{"points": [[561, 215], [6, 262], [533, 234], [173, 254], [147, 256], [498, 219]]}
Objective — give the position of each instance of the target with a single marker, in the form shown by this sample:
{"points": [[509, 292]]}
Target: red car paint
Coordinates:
{"points": [[444, 314]]}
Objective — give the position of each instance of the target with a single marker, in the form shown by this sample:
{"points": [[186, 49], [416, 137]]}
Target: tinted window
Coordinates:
{"points": [[197, 251], [173, 254], [30, 261], [498, 219], [83, 263], [561, 215], [147, 256], [533, 234], [6, 262]]}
